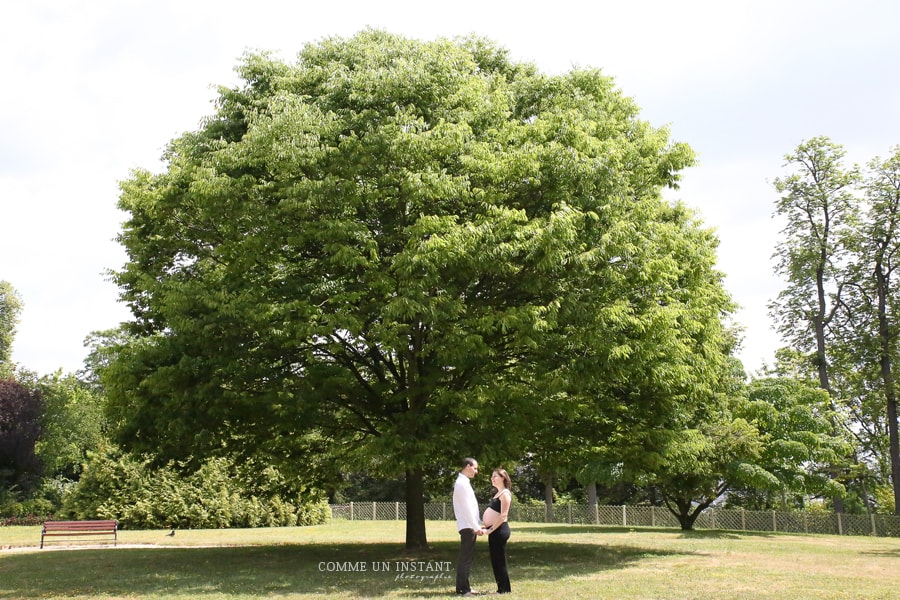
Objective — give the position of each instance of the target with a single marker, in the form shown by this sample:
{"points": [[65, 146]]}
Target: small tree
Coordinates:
{"points": [[73, 422], [10, 307], [775, 438], [701, 464], [794, 419]]}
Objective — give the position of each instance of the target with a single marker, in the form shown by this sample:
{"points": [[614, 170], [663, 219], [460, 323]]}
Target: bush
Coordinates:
{"points": [[217, 495], [14, 511]]}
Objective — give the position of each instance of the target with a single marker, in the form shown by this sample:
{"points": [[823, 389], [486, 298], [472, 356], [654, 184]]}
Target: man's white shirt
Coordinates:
{"points": [[465, 505]]}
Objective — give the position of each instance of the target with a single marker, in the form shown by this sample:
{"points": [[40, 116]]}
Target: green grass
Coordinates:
{"points": [[546, 561]]}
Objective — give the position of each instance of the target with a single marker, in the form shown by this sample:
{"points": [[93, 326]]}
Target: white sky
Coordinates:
{"points": [[94, 88]]}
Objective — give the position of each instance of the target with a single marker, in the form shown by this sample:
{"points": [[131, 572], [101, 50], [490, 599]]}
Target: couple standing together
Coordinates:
{"points": [[465, 507]]}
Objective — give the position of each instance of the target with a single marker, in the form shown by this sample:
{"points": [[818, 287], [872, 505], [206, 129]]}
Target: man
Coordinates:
{"points": [[465, 508]]}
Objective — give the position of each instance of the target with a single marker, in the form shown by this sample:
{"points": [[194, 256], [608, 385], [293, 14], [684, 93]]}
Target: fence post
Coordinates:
{"points": [[805, 523], [396, 511], [351, 511], [652, 516], [874, 529], [743, 519], [624, 518], [444, 510], [774, 521], [374, 514], [570, 513], [596, 514], [840, 525]]}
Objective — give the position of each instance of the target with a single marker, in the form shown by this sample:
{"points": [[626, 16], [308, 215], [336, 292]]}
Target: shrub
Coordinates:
{"points": [[217, 495]]}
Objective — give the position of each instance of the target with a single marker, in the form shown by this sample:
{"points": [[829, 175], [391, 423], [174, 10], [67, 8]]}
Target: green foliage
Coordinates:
{"points": [[773, 443], [699, 465], [72, 424], [20, 428], [219, 494], [884, 499], [10, 308], [800, 446], [24, 511]]}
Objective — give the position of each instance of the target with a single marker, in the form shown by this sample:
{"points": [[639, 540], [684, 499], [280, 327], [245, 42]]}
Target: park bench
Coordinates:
{"points": [[80, 531]]}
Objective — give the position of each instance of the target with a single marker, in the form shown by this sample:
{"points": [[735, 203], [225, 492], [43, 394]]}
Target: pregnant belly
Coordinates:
{"points": [[490, 517]]}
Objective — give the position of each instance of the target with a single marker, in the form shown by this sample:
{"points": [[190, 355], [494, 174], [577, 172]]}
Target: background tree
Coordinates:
{"points": [[693, 456], [819, 208], [701, 464], [20, 414], [391, 254], [799, 447], [870, 339], [72, 423], [663, 356], [10, 308], [768, 443]]}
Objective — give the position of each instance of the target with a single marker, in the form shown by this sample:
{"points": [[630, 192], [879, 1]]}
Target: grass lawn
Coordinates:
{"points": [[546, 561]]}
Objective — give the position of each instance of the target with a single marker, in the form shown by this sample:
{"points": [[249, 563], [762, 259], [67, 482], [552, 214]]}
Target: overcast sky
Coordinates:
{"points": [[93, 89]]}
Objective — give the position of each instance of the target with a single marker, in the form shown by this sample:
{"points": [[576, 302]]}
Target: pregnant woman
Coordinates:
{"points": [[495, 521]]}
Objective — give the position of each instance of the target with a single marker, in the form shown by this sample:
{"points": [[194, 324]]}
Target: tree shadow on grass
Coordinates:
{"points": [[895, 553], [363, 570]]}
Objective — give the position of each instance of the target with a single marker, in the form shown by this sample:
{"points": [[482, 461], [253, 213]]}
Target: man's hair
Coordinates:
{"points": [[468, 461]]}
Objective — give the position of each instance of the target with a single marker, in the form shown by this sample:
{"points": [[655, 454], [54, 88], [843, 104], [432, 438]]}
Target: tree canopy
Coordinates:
{"points": [[391, 254], [20, 427]]}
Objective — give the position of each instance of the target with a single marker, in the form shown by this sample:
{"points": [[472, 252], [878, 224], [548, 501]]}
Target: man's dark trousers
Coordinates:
{"points": [[464, 562]]}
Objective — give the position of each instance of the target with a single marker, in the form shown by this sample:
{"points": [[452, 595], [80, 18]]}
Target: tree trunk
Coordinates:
{"points": [[887, 377], [819, 325], [683, 513], [548, 499], [819, 322], [415, 510], [894, 450], [592, 494]]}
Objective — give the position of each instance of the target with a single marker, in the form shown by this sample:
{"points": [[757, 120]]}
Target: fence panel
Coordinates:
{"points": [[646, 516], [887, 525]]}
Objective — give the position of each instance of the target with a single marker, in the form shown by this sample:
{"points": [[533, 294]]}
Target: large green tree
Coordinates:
{"points": [[390, 254]]}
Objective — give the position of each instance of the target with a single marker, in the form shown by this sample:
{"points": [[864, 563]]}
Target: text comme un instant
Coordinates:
{"points": [[406, 566]]}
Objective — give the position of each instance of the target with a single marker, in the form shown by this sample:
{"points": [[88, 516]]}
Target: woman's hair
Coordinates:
{"points": [[507, 482]]}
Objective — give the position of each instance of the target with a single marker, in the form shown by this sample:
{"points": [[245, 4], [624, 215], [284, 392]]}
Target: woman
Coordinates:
{"points": [[495, 522]]}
